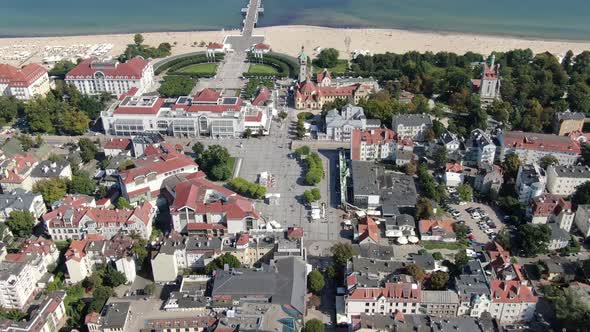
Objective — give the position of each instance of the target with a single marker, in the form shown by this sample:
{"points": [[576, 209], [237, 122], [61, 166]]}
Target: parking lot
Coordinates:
{"points": [[477, 224]]}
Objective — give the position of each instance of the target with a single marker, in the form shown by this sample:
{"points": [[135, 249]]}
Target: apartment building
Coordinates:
{"points": [[46, 316], [16, 172], [47, 169], [532, 147], [437, 230], [473, 289], [480, 149], [582, 219], [21, 200], [373, 145], [564, 180], [18, 282], [208, 113], [340, 124], [548, 208], [395, 296], [568, 122], [24, 83], [439, 303], [414, 126], [93, 76], [530, 182], [512, 301]]}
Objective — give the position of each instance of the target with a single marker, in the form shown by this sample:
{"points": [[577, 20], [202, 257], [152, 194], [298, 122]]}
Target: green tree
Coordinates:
{"points": [[410, 169], [424, 208], [114, 278], [74, 122], [283, 115], [149, 289], [122, 203], [214, 162], [327, 58], [302, 151], [312, 195], [465, 192], [138, 39], [51, 189], [440, 156], [21, 223], [247, 133], [139, 250], [534, 239], [314, 325], [582, 194], [61, 68], [81, 183], [438, 280], [416, 272], [219, 262], [9, 109], [549, 160], [175, 86], [88, 149], [579, 97], [198, 149], [315, 281], [300, 130], [341, 253], [26, 142], [100, 295], [38, 141], [511, 165]]}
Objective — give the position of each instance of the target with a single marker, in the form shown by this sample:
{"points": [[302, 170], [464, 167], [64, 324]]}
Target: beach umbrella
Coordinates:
{"points": [[402, 240], [413, 239]]}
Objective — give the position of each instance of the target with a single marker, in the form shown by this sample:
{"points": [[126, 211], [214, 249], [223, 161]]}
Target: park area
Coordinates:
{"points": [[200, 68], [261, 69]]}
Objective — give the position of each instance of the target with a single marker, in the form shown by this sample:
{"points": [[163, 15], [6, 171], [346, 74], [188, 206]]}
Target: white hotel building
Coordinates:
{"points": [[93, 76], [25, 83], [208, 113]]}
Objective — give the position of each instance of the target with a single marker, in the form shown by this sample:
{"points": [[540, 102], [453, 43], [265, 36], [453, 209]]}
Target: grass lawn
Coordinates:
{"points": [[430, 245], [256, 68], [231, 163], [200, 68], [340, 67]]}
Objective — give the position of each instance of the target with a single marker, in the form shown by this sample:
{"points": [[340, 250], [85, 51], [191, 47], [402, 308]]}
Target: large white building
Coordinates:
{"points": [[530, 182], [373, 144], [206, 114], [395, 297], [480, 150], [532, 147], [512, 301], [563, 180], [25, 83], [414, 126], [93, 76], [18, 281], [582, 219]]}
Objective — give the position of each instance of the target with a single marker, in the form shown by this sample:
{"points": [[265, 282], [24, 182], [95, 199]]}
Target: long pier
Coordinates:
{"points": [[252, 11]]}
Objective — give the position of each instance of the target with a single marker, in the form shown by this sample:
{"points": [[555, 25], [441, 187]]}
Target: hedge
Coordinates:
{"points": [[315, 169], [179, 63], [247, 188]]}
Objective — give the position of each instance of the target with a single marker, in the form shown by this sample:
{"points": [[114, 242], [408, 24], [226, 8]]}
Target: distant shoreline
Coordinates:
{"points": [[408, 29]]}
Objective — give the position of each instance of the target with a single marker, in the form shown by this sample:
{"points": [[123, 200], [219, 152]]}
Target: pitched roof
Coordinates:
{"points": [[323, 74], [132, 69], [542, 142], [66, 215], [398, 291], [263, 95], [21, 77], [369, 229], [454, 167], [117, 144], [159, 163], [262, 46], [436, 225], [16, 167], [511, 291], [207, 95]]}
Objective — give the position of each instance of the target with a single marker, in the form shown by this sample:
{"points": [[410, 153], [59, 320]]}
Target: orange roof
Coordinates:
{"points": [[398, 292], [369, 229], [370, 137], [511, 291], [454, 167], [427, 225]]}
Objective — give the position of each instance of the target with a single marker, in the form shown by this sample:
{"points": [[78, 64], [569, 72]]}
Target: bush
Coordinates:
{"points": [[313, 195], [175, 86], [302, 151], [315, 169], [247, 188], [315, 281]]}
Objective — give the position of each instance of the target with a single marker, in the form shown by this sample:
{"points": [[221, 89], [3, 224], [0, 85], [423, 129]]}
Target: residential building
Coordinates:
{"points": [[582, 219], [512, 301], [200, 205], [489, 180], [373, 145], [83, 255], [368, 231], [47, 315], [116, 146], [21, 200], [437, 230], [532, 147], [548, 208], [42, 248], [47, 169], [18, 281], [489, 84], [414, 126], [114, 317], [256, 250], [530, 182], [284, 282], [16, 172], [400, 225], [385, 192], [395, 296], [560, 270], [453, 174], [190, 296], [144, 181], [93, 76], [24, 83], [443, 303], [480, 149], [568, 122], [473, 290], [564, 180], [501, 264], [209, 113], [339, 125], [72, 222], [560, 238], [450, 142]]}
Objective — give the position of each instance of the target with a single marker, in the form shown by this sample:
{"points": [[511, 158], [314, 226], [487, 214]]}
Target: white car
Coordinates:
{"points": [[475, 216]]}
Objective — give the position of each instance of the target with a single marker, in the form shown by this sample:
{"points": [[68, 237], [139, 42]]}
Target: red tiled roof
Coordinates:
{"points": [[511, 291], [548, 204], [372, 137], [215, 46], [158, 164], [427, 225], [399, 292], [132, 69], [17, 167], [323, 74], [263, 95], [199, 226], [91, 318], [542, 142], [262, 46], [129, 93], [254, 118], [351, 280], [37, 245], [207, 95], [454, 167], [215, 108], [21, 77], [295, 232], [117, 144], [242, 239], [55, 219], [368, 229], [490, 73]]}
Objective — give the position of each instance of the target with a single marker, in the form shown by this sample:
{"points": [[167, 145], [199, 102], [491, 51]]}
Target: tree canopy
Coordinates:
{"points": [[341, 253], [21, 223], [315, 281], [327, 58], [314, 325], [214, 161], [219, 262], [416, 272], [175, 86], [438, 280], [534, 239], [51, 189]]}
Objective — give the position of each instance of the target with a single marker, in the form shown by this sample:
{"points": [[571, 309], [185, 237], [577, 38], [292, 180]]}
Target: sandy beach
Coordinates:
{"points": [[289, 39]]}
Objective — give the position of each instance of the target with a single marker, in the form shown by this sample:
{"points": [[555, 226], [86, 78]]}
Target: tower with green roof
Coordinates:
{"points": [[303, 69]]}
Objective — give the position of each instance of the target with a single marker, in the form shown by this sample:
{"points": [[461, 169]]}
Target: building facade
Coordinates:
{"points": [[24, 83], [512, 301], [480, 150], [582, 219], [568, 122], [530, 182], [339, 125], [414, 126], [564, 180], [532, 147], [374, 144], [94, 77]]}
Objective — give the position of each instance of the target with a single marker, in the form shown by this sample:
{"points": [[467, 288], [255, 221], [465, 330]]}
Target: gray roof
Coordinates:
{"points": [[374, 251], [18, 199], [199, 243], [560, 266], [569, 115], [478, 138], [460, 324], [579, 171], [472, 282], [114, 315], [425, 261], [49, 169], [411, 120], [558, 233], [283, 284], [8, 268], [414, 323], [147, 138], [439, 297], [447, 137], [188, 300], [530, 174], [395, 189]]}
